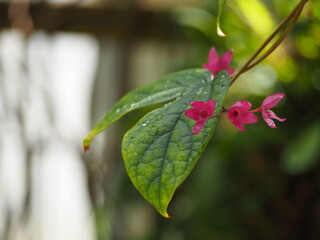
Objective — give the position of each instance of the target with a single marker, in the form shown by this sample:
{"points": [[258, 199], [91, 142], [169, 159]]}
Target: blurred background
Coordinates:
{"points": [[64, 63]]}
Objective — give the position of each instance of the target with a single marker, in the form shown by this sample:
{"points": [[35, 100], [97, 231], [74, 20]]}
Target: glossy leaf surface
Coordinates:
{"points": [[160, 151]]}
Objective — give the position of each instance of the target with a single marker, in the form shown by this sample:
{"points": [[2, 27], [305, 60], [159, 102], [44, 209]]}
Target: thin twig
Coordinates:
{"points": [[291, 18], [279, 41]]}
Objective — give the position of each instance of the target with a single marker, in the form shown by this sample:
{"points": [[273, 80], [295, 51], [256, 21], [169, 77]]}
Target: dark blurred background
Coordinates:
{"points": [[63, 63]]}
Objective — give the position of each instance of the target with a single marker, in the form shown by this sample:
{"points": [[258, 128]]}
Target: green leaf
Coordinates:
{"points": [[219, 31], [162, 90], [303, 151], [160, 151]]}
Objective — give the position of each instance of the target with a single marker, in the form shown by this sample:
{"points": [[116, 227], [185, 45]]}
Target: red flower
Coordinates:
{"points": [[267, 114], [215, 65], [200, 112], [239, 114]]}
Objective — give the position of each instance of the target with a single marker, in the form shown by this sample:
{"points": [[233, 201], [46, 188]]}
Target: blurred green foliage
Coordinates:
{"points": [[260, 184]]}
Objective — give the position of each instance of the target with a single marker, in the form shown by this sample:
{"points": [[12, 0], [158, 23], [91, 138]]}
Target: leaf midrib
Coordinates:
{"points": [[168, 142]]}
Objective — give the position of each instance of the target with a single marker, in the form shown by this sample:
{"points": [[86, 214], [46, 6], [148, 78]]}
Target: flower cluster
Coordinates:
{"points": [[239, 113]]}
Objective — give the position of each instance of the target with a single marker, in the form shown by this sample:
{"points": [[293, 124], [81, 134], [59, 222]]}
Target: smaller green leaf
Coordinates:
{"points": [[219, 31], [303, 151], [162, 90]]}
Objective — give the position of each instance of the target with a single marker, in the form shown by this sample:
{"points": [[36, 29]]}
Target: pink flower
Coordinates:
{"points": [[215, 65], [239, 114], [200, 112], [267, 114]]}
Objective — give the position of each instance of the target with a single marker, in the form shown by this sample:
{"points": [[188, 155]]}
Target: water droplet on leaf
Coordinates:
{"points": [[169, 168], [200, 91], [154, 130], [145, 123]]}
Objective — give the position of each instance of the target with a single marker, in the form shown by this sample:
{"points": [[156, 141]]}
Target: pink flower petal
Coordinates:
{"points": [[239, 114], [268, 115], [213, 58], [243, 105], [270, 122], [192, 113], [199, 125], [271, 114], [249, 118], [206, 66], [211, 104], [200, 113], [199, 105], [238, 125], [272, 100], [215, 65], [230, 71], [225, 60]]}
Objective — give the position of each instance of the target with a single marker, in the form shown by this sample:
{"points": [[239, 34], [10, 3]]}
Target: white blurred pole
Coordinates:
{"points": [[45, 92]]}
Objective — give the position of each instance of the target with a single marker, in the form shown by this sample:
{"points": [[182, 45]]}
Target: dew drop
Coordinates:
{"points": [[154, 130], [145, 124], [203, 81], [169, 168], [205, 92], [200, 91], [118, 110]]}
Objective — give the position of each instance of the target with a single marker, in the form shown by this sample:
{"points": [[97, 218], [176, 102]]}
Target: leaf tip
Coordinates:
{"points": [[86, 144], [86, 148], [220, 32], [166, 215]]}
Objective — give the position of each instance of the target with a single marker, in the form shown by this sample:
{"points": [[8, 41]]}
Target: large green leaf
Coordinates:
{"points": [[160, 151]]}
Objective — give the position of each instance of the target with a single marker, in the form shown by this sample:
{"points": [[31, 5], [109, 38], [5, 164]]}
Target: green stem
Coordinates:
{"points": [[291, 19]]}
